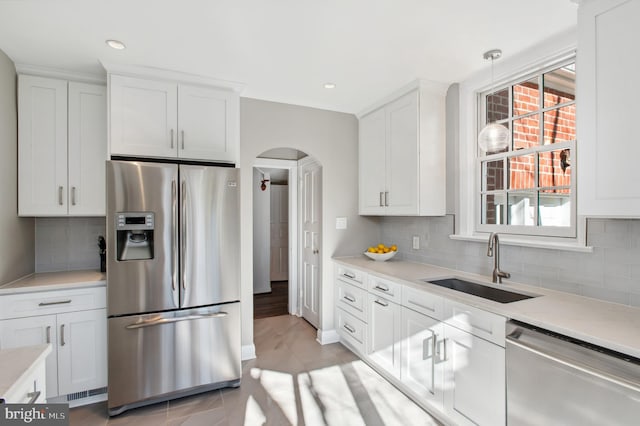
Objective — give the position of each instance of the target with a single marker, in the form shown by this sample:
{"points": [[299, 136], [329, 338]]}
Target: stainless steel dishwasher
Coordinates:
{"points": [[556, 380]]}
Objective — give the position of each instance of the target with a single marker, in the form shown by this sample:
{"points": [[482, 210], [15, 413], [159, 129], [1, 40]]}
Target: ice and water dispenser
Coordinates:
{"points": [[134, 235]]}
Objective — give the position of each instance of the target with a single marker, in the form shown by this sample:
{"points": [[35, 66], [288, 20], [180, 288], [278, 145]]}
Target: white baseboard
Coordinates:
{"points": [[248, 352], [326, 337]]}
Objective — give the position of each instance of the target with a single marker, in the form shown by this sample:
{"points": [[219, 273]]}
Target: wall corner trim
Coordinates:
{"points": [[326, 337], [248, 352]]}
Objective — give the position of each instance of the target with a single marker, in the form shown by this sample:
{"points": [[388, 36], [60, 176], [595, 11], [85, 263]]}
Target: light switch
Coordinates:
{"points": [[341, 223], [416, 242]]}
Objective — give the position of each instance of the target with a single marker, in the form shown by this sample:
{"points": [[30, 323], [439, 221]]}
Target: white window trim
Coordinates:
{"points": [[506, 70]]}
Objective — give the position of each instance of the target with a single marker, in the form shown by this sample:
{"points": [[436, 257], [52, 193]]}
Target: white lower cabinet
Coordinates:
{"points": [[445, 355], [383, 337], [78, 361], [422, 367], [474, 379]]}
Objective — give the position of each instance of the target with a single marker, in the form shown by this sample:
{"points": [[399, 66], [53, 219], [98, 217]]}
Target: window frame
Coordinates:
{"points": [[534, 71]]}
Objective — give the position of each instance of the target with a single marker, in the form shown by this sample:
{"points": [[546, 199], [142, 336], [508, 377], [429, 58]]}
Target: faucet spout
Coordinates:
{"points": [[493, 249]]}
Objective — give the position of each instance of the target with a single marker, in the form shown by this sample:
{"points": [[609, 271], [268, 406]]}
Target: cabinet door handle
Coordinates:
{"points": [[73, 195], [349, 275], [381, 199], [61, 302], [182, 139], [60, 189], [48, 331], [349, 328], [349, 298], [62, 342], [386, 199], [171, 138], [34, 396], [385, 304]]}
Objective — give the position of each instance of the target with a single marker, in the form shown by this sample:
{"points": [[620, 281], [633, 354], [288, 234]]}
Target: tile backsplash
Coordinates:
{"points": [[67, 244], [611, 272]]}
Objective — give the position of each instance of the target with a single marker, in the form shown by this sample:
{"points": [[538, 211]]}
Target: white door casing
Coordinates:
{"points": [[311, 247]]}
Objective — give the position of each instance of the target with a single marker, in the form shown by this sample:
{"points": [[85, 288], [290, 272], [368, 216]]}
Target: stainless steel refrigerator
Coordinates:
{"points": [[173, 281]]}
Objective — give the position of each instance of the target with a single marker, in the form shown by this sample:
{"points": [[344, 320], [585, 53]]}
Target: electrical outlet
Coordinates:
{"points": [[416, 242], [341, 223]]}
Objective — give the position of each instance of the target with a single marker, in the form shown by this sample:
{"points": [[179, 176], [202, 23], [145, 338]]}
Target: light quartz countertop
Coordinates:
{"points": [[55, 281], [611, 325], [18, 363]]}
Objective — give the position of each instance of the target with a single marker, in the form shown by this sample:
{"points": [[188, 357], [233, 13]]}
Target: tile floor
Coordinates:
{"points": [[293, 381]]}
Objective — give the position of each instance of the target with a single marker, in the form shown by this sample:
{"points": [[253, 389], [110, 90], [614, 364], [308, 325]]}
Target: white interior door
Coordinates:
{"points": [[311, 244], [279, 232]]}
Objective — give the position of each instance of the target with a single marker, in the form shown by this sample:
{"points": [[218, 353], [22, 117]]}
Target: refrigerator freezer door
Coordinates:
{"points": [[148, 285], [155, 357], [210, 235]]}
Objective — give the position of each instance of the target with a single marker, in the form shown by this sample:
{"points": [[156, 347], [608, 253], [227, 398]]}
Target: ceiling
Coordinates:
{"points": [[284, 50]]}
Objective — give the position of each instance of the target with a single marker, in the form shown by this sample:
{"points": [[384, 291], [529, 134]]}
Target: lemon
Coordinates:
{"points": [[394, 247], [381, 246], [372, 250]]}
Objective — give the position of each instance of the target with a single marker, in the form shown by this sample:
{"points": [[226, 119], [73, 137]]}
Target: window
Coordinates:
{"points": [[529, 187]]}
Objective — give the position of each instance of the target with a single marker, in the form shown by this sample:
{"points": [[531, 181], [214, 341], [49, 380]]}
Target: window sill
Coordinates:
{"points": [[512, 240]]}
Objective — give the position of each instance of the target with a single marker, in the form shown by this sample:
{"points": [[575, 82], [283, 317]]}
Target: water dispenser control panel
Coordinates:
{"points": [[133, 221]]}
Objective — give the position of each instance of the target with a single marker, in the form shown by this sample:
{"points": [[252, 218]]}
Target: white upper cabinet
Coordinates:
{"points": [[155, 118], [62, 147], [144, 117], [607, 136], [402, 155]]}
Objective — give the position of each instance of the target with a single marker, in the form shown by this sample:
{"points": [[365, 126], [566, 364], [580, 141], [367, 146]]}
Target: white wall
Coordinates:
{"points": [[261, 234], [332, 139], [16, 234]]}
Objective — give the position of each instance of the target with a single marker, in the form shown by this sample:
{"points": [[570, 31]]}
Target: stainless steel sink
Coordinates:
{"points": [[475, 289]]}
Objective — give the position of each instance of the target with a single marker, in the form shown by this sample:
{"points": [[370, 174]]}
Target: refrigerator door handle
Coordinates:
{"points": [[161, 321], [183, 238], [174, 235]]}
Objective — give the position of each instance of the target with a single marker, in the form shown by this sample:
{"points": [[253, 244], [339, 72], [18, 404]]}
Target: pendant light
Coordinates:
{"points": [[493, 137]]}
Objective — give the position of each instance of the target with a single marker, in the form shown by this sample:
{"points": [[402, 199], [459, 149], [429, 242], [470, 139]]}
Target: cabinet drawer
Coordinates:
{"points": [[52, 302], [352, 299], [423, 302], [386, 288], [351, 276], [352, 331], [480, 323]]}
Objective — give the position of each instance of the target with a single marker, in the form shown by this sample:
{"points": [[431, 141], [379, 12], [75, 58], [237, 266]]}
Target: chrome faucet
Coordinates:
{"points": [[493, 249]]}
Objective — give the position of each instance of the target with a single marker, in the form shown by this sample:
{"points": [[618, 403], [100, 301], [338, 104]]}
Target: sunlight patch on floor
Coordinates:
{"points": [[280, 388]]}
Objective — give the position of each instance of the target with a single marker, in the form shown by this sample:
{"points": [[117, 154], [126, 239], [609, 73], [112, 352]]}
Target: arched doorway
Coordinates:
{"points": [[287, 188]]}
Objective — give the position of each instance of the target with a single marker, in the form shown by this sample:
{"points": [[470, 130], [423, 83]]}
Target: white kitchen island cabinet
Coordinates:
{"points": [[166, 119], [74, 322], [608, 108], [402, 155], [62, 147]]}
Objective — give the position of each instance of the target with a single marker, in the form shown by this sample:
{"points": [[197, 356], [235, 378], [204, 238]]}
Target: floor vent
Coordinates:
{"points": [[85, 394]]}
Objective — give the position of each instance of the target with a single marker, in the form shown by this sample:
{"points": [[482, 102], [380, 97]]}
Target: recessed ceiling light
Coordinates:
{"points": [[329, 85], [116, 44]]}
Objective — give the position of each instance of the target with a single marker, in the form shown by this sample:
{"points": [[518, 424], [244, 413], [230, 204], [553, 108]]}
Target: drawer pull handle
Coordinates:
{"points": [[385, 304], [349, 275], [413, 302], [62, 342], [378, 287], [62, 302], [34, 396], [349, 298], [349, 328]]}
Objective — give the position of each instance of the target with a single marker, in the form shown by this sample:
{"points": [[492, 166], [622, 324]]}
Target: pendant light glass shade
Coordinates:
{"points": [[494, 137]]}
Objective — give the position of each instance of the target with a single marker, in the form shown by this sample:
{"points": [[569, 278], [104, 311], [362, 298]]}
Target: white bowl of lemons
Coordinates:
{"points": [[381, 252]]}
